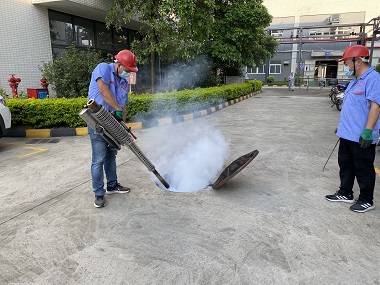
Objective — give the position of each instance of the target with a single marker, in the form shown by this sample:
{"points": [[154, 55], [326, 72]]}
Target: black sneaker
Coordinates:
{"points": [[99, 202], [340, 198], [117, 189], [362, 206]]}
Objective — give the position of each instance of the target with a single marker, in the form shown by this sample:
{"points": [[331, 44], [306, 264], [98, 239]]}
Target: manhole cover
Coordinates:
{"points": [[39, 141], [234, 168]]}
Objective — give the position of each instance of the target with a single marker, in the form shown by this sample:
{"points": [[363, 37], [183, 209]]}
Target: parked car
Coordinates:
{"points": [[5, 117]]}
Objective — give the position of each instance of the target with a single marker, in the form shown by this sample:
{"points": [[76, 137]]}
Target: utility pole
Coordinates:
{"points": [[299, 67], [375, 32]]}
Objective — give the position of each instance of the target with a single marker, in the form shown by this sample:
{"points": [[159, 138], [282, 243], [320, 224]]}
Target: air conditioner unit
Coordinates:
{"points": [[334, 19]]}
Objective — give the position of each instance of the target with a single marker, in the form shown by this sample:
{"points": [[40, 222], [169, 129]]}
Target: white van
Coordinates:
{"points": [[5, 117]]}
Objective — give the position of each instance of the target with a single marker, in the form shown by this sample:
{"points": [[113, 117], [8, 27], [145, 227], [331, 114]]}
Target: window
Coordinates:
{"points": [[134, 35], [329, 32], [61, 29], [256, 70], [58, 50], [275, 68], [343, 31], [84, 32], [314, 32], [121, 39], [66, 29], [276, 33], [103, 37]]}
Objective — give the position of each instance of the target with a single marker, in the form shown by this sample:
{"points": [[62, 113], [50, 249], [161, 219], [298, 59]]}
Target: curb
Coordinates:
{"points": [[83, 131], [281, 85]]}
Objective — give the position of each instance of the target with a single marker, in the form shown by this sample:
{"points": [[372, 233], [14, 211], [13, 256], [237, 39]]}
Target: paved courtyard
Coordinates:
{"points": [[270, 224]]}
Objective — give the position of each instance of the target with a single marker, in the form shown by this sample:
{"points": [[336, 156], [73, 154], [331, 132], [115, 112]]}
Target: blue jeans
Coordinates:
{"points": [[103, 158]]}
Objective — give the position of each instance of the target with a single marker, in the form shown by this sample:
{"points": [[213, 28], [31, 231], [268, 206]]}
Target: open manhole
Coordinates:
{"points": [[227, 174], [40, 141]]}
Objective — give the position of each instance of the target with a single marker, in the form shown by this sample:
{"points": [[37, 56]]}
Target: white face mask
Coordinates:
{"points": [[125, 75]]}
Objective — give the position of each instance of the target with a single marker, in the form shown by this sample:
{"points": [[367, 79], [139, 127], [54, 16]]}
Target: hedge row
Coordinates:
{"points": [[62, 112]]}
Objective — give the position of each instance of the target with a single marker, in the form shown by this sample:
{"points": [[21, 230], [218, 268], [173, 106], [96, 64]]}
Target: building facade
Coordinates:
{"points": [[33, 31], [313, 35]]}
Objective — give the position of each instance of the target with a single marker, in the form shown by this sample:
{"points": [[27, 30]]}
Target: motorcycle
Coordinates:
{"points": [[339, 100], [337, 94], [333, 92]]}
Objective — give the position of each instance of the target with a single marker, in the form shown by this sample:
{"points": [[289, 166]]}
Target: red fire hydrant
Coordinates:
{"points": [[44, 83], [13, 83]]}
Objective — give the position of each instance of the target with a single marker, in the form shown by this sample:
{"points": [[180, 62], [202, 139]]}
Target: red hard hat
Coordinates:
{"points": [[355, 51], [128, 59]]}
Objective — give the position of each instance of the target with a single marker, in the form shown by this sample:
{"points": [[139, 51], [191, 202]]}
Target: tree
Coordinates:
{"points": [[172, 29], [70, 72], [238, 36], [230, 32], [378, 68]]}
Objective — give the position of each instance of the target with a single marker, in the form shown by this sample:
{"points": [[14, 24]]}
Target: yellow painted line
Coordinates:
{"points": [[38, 133], [213, 109], [376, 170], [81, 131], [203, 113], [220, 106], [165, 121], [37, 150], [226, 104], [187, 117]]}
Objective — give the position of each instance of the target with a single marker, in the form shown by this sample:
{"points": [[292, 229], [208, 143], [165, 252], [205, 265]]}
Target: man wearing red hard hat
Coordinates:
{"points": [[109, 87], [358, 130]]}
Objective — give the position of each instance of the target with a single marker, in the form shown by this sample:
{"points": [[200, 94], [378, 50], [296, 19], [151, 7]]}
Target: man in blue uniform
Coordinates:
{"points": [[109, 87], [358, 130]]}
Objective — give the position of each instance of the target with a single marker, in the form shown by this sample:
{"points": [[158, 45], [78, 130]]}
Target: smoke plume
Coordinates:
{"points": [[190, 158], [189, 75]]}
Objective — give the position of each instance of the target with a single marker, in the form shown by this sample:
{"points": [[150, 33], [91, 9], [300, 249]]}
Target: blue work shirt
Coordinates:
{"points": [[118, 86], [356, 105]]}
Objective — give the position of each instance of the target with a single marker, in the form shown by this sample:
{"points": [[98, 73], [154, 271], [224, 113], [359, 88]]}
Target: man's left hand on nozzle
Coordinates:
{"points": [[118, 115]]}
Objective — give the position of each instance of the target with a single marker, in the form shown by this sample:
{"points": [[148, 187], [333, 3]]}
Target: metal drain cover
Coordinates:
{"points": [[234, 168]]}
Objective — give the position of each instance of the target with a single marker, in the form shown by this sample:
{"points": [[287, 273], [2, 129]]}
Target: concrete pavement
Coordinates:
{"points": [[270, 224]]}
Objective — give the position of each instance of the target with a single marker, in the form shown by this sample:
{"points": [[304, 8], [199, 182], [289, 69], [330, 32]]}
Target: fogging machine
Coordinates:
{"points": [[115, 133]]}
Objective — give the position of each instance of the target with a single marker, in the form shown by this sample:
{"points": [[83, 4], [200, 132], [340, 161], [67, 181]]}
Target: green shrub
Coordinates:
{"points": [[63, 112], [256, 84], [3, 93], [70, 73], [378, 68], [270, 79], [46, 113], [181, 102], [299, 80]]}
